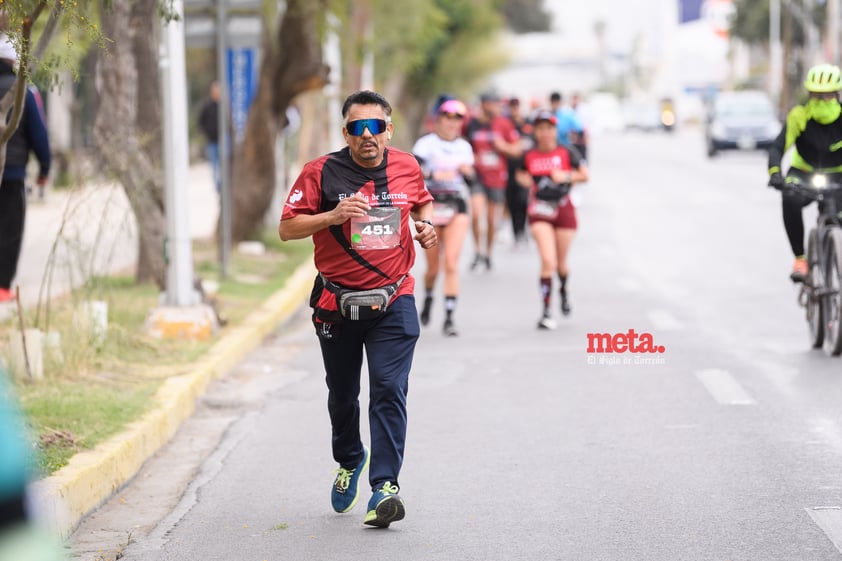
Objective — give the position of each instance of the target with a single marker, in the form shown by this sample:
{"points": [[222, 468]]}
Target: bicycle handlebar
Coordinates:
{"points": [[813, 191]]}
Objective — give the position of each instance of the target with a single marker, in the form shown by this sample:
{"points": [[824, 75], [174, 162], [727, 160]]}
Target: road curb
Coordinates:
{"points": [[91, 477]]}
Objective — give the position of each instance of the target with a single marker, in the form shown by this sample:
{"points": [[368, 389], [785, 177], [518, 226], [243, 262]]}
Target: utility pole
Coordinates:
{"points": [[224, 138], [833, 31], [775, 52], [233, 29], [183, 315], [174, 95], [786, 34]]}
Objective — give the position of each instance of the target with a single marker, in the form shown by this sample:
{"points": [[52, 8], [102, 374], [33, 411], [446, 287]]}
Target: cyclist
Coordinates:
{"points": [[493, 138], [447, 161], [549, 171], [815, 130]]}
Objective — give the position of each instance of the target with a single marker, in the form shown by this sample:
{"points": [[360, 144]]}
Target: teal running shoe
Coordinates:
{"points": [[346, 488], [385, 507]]}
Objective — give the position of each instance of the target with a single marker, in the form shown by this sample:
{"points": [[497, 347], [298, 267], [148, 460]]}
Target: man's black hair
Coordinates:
{"points": [[555, 96], [366, 97]]}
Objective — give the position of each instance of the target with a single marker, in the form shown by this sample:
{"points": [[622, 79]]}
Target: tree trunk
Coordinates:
{"points": [[294, 68], [413, 109], [127, 126]]}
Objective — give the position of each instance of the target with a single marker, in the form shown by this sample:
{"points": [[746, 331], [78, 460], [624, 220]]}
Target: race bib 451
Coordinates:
{"points": [[378, 229]]}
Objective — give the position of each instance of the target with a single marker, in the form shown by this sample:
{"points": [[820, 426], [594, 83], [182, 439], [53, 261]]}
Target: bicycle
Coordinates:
{"points": [[821, 291]]}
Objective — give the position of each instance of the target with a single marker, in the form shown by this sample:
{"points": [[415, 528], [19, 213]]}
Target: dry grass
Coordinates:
{"points": [[93, 388]]}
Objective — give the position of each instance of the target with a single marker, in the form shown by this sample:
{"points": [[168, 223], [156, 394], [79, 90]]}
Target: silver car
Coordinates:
{"points": [[741, 120]]}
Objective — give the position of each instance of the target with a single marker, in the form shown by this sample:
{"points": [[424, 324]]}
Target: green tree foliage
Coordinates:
{"points": [[424, 47], [32, 26], [523, 16], [451, 46], [751, 21]]}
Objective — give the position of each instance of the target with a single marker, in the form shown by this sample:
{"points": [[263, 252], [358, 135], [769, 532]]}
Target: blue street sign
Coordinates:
{"points": [[241, 64], [689, 10]]}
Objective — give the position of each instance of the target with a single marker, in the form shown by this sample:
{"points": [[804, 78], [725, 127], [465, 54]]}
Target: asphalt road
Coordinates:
{"points": [[524, 446]]}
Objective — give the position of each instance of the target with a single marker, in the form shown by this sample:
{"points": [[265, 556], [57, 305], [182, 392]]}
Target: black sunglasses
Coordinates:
{"points": [[357, 128], [454, 115]]}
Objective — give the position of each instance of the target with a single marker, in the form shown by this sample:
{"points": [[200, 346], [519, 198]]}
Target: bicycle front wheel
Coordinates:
{"points": [[833, 299], [815, 312]]}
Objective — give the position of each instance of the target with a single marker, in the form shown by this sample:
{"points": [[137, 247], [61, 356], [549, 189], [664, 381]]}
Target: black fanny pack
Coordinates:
{"points": [[553, 193], [362, 304]]}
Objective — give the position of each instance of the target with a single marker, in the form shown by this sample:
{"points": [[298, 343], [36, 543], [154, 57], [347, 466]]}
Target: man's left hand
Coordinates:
{"points": [[426, 235]]}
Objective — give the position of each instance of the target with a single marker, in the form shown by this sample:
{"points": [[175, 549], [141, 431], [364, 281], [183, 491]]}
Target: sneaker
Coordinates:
{"points": [[478, 260], [385, 507], [6, 295], [449, 329], [346, 489], [565, 304], [799, 270], [425, 311], [547, 322], [488, 263]]}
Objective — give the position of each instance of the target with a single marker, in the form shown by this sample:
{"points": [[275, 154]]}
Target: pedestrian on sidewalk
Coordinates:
{"points": [[30, 137], [356, 204], [209, 125]]}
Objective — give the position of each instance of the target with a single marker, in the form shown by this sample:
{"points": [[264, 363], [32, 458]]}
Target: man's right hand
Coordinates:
{"points": [[348, 208], [776, 181]]}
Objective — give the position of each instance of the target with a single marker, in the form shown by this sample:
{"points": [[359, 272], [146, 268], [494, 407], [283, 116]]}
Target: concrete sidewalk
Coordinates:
{"points": [[93, 231], [91, 477]]}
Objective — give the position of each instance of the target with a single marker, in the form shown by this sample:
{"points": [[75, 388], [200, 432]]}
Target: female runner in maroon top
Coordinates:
{"points": [[549, 171]]}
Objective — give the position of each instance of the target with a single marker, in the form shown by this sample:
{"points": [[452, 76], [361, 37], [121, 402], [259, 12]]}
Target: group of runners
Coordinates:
{"points": [[482, 164]]}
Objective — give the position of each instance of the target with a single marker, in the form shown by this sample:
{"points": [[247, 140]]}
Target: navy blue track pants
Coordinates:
{"points": [[389, 344]]}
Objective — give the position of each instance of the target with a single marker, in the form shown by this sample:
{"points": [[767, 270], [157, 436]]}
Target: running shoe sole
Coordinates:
{"points": [[391, 509]]}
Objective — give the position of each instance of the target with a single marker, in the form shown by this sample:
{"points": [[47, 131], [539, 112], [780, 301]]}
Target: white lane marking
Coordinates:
{"points": [[724, 388], [829, 519], [827, 430], [664, 321]]}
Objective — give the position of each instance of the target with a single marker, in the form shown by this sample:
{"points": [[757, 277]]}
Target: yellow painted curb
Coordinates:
{"points": [[91, 477]]}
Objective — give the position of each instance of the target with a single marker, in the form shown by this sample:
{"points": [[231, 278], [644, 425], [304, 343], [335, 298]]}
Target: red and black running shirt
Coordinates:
{"points": [[397, 182], [492, 166], [541, 165]]}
